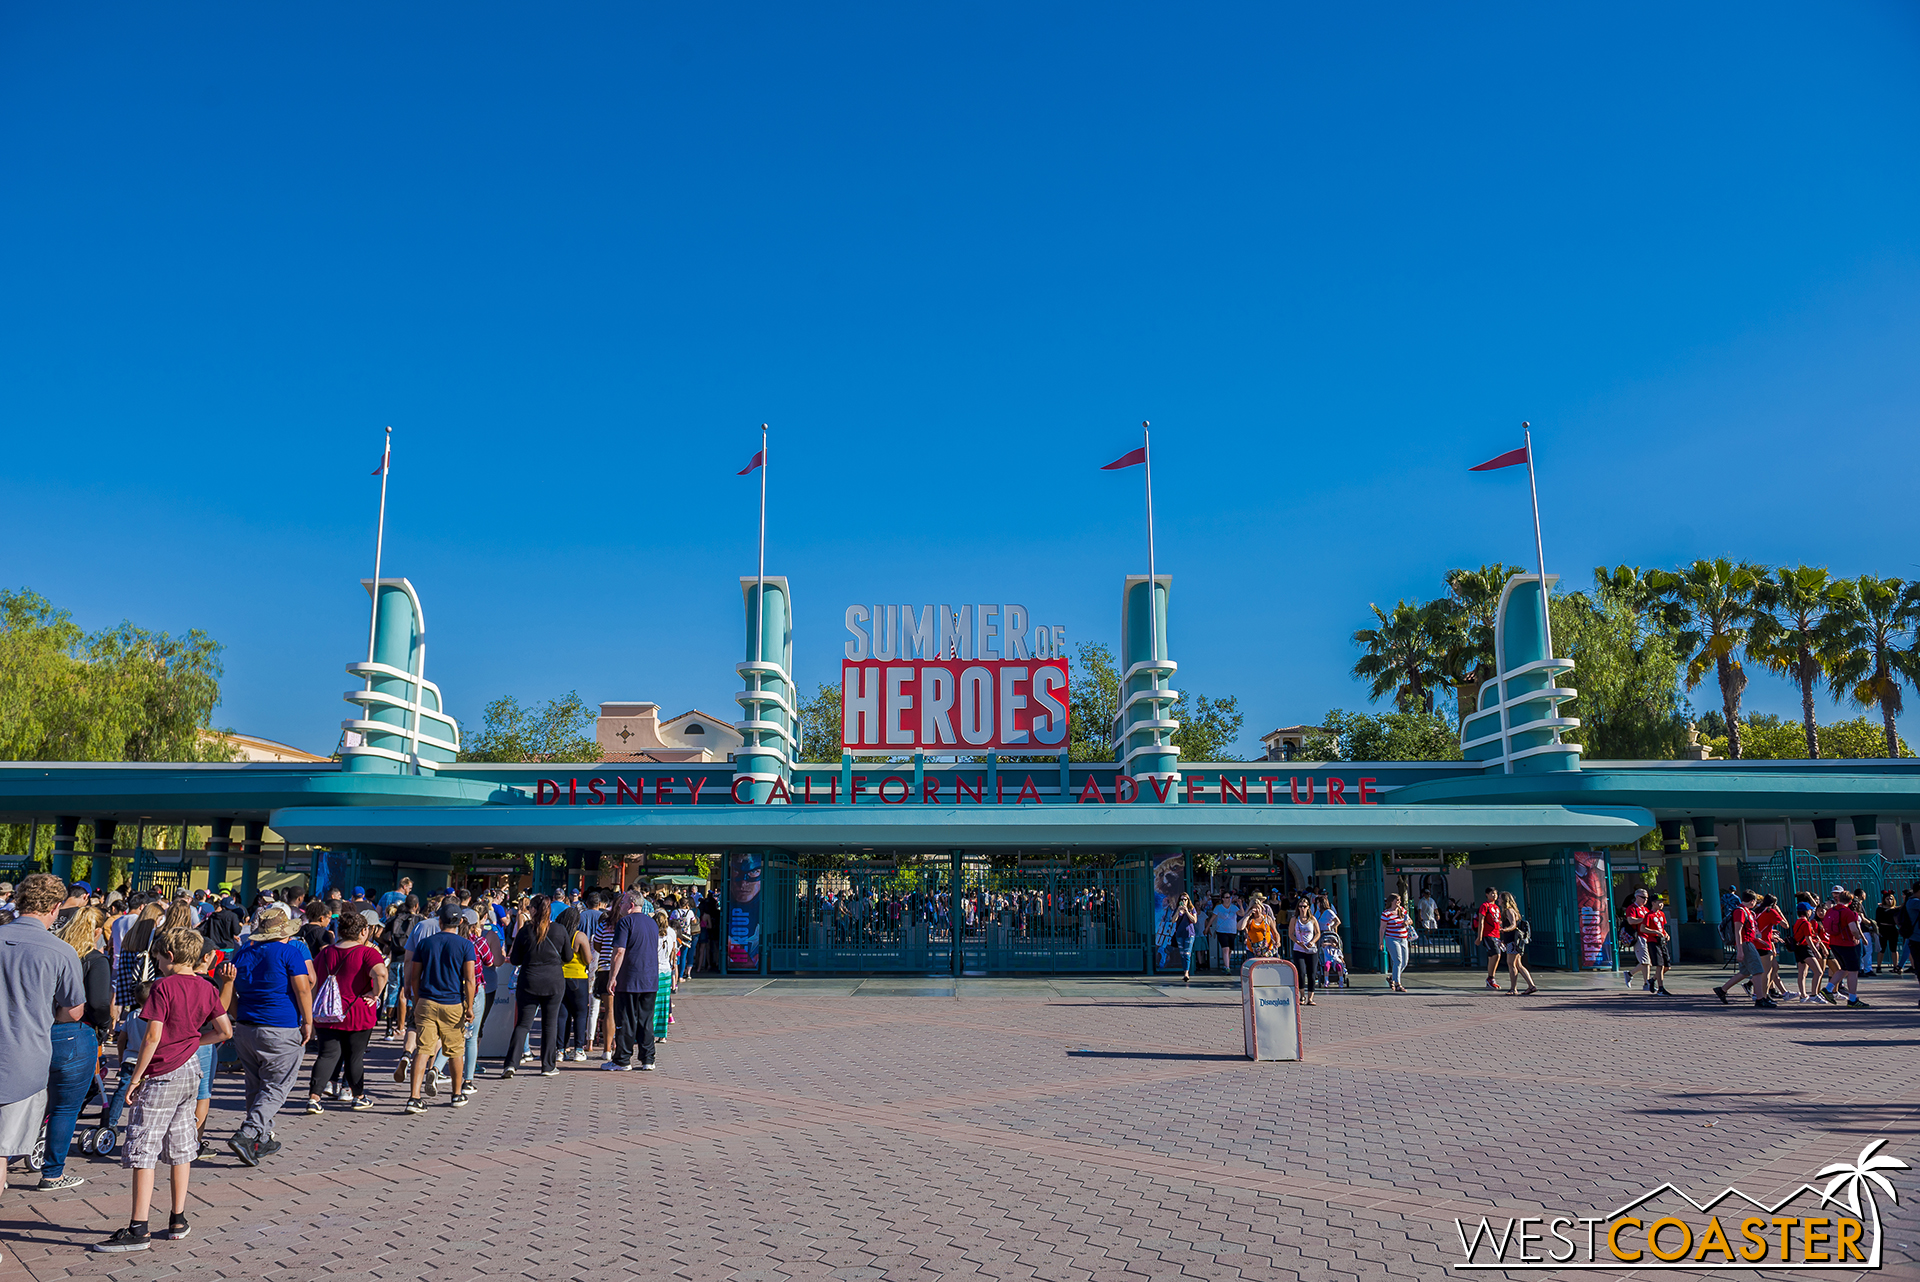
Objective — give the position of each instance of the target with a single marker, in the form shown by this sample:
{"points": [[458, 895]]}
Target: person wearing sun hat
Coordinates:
{"points": [[273, 1021]]}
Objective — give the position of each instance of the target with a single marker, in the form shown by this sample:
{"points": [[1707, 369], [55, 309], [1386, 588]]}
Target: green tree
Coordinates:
{"points": [[1625, 669], [1874, 646], [558, 730], [1800, 621], [1714, 600], [820, 725], [1402, 656], [1095, 703], [1208, 727], [1392, 736], [1464, 626], [121, 694]]}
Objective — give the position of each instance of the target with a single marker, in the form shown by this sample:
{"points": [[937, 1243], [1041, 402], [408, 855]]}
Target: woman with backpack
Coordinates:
{"points": [[405, 917], [349, 975], [1515, 934], [540, 950]]}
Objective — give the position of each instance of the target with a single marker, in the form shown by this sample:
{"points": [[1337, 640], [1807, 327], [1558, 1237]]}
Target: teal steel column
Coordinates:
{"points": [[956, 946], [1871, 871], [1674, 884], [99, 867], [65, 828], [1363, 934], [1145, 749], [219, 842], [1708, 847], [846, 778], [250, 865], [767, 669], [1342, 894]]}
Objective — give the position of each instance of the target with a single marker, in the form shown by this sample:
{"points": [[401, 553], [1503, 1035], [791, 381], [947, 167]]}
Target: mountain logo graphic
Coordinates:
{"points": [[1837, 1228]]}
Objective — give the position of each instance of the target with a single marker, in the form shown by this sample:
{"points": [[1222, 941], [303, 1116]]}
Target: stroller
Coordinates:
{"points": [[102, 1139], [1333, 963]]}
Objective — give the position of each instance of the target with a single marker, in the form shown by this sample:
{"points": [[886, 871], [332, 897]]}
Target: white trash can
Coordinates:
{"points": [[1270, 1001]]}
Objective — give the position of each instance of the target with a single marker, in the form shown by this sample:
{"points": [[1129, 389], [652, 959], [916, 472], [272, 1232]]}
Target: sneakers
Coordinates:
{"points": [[59, 1182], [1766, 1002], [362, 1104], [334, 1090], [127, 1239], [506, 1074], [1495, 987], [1721, 993], [646, 1068], [550, 1072], [431, 1083], [269, 1146], [416, 1105], [459, 1100], [245, 1147], [612, 1067], [313, 1104], [400, 1070], [1647, 987], [1857, 1004], [177, 1228], [1829, 999], [1662, 990], [206, 1147]]}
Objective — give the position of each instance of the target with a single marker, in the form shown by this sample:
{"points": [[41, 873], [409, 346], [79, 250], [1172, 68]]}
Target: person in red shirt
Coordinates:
{"points": [[1486, 929], [1841, 925], [183, 1014], [1652, 928], [1764, 922], [1752, 964], [1630, 919]]}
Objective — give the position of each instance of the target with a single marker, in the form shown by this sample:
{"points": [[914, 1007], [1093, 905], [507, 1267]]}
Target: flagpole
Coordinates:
{"points": [[1539, 552], [1153, 580], [760, 588], [379, 543]]}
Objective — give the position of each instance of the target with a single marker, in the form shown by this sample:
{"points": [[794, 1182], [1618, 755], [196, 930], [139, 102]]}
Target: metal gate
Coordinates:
{"points": [[1054, 918], [955, 916], [1550, 912]]}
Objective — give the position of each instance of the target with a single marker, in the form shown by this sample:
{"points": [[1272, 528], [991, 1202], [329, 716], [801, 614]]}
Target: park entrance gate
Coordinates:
{"points": [[956, 915]]}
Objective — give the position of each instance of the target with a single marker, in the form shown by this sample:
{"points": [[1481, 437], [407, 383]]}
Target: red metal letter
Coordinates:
{"points": [[1294, 785], [1227, 790], [1336, 791], [906, 790], [737, 781], [661, 787], [621, 792], [779, 790], [930, 790], [1161, 788], [1269, 780], [1366, 793], [593, 786], [540, 797], [1125, 788], [695, 784], [1027, 790], [573, 790], [1092, 786]]}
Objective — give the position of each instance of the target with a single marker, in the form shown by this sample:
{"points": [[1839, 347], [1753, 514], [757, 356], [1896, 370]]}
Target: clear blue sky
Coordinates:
{"points": [[577, 254]]}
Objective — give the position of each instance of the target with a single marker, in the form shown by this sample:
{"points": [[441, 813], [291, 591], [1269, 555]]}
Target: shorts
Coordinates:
{"points": [[442, 1026], [603, 984], [161, 1130], [205, 1056], [1801, 952], [1640, 954], [1225, 940], [1657, 953], [1848, 955], [20, 1124]]}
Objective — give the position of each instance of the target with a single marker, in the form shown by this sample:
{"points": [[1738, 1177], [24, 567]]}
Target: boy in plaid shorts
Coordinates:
{"points": [[183, 1013]]}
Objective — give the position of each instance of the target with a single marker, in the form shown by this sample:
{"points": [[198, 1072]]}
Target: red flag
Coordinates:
{"points": [[383, 467], [1508, 459], [759, 457], [1130, 459]]}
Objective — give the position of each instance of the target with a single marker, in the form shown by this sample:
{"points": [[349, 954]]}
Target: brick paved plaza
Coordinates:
{"points": [[1066, 1130]]}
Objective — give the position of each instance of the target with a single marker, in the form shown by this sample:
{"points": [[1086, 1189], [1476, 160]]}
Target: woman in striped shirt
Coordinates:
{"points": [[603, 978], [1395, 937]]}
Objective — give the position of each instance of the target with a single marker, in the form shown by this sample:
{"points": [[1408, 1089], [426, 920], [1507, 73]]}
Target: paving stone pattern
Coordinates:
{"points": [[1072, 1132]]}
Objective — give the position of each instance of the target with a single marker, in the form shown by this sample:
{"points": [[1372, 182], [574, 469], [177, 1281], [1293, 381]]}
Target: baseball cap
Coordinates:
{"points": [[81, 888], [1839, 890], [471, 917], [451, 914], [359, 892]]}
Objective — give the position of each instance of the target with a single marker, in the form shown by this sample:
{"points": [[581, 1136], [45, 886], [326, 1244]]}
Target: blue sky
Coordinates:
{"points": [[575, 256]]}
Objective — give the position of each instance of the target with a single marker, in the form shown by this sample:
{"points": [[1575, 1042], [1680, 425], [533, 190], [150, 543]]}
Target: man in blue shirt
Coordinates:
{"points": [[441, 981], [272, 1022], [393, 897], [636, 983]]}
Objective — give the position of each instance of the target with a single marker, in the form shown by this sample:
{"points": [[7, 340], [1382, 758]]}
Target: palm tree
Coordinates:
{"points": [[1802, 615], [1875, 658], [1713, 602], [1464, 628], [1862, 1176], [1402, 654], [1625, 586]]}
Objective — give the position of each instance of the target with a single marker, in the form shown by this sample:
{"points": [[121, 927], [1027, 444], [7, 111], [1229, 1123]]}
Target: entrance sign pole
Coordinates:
{"points": [[1153, 581]]}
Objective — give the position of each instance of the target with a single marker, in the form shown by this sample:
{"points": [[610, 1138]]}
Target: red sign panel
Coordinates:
{"points": [[954, 705]]}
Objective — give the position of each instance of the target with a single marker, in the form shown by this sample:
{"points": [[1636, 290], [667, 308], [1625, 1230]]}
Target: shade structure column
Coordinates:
{"points": [[65, 829], [250, 863], [1708, 847], [1676, 874], [219, 843], [99, 867]]}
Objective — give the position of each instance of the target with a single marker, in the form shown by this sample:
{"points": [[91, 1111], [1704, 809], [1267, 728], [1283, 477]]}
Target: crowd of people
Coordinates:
{"points": [[156, 993]]}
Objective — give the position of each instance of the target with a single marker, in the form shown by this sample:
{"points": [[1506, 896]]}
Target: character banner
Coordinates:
{"points": [[1590, 903]]}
